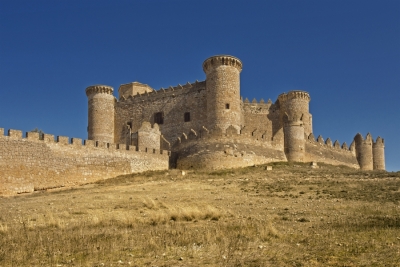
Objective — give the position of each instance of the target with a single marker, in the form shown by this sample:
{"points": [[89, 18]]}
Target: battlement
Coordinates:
{"points": [[77, 142], [329, 145], [164, 92], [99, 89], [224, 60], [246, 133], [255, 102], [295, 94], [379, 141], [34, 163], [360, 139]]}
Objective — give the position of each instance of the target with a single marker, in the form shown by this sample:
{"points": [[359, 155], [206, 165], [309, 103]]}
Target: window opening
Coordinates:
{"points": [[186, 116], [226, 106], [159, 117]]}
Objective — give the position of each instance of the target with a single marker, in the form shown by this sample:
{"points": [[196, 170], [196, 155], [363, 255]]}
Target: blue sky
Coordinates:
{"points": [[346, 54]]}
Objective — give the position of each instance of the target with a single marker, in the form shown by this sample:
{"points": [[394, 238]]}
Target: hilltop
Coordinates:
{"points": [[292, 215]]}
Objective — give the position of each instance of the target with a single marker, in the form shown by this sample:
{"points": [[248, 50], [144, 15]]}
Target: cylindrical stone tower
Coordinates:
{"points": [[297, 102], [223, 91], [294, 138], [378, 152], [101, 113], [364, 152]]}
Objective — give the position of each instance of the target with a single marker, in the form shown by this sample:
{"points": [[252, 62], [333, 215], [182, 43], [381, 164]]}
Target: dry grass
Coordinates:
{"points": [[290, 216]]}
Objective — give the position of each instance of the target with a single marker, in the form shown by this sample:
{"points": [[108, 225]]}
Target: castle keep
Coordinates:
{"points": [[208, 125], [197, 125]]}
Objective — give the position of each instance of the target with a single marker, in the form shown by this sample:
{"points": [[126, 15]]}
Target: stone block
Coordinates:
{"points": [[48, 138], [15, 134], [101, 144], [122, 147], [32, 136], [89, 143], [76, 141], [63, 140]]}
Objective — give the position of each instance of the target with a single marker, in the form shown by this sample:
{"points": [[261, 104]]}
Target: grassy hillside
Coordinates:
{"points": [[291, 216]]}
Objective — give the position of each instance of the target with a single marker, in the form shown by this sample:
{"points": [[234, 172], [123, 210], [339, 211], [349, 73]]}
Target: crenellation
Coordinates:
{"points": [[344, 146], [101, 144], [336, 144], [320, 140], [123, 147], [63, 140], [49, 164], [32, 136], [1, 132], [328, 142], [48, 138], [89, 143], [352, 147], [77, 142], [112, 147], [14, 134]]}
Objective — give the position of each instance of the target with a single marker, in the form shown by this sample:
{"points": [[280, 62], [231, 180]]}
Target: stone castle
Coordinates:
{"points": [[208, 125], [200, 125]]}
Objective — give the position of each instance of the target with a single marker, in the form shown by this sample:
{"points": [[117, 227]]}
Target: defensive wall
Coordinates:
{"points": [[29, 164], [219, 149]]}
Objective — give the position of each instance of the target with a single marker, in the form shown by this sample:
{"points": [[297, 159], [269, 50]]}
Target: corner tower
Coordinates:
{"points": [[294, 141], [364, 152], [101, 113], [223, 91], [378, 152]]}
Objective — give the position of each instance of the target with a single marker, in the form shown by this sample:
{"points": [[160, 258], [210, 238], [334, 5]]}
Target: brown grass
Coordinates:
{"points": [[290, 216]]}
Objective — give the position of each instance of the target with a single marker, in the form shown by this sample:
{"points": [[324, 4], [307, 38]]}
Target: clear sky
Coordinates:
{"points": [[345, 53]]}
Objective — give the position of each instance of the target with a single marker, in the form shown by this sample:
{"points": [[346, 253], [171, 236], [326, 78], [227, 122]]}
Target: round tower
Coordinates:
{"points": [[378, 152], [223, 91], [101, 113], [297, 102], [364, 152], [294, 141]]}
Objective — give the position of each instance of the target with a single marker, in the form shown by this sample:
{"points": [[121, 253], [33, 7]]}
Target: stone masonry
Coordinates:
{"points": [[200, 125], [208, 125]]}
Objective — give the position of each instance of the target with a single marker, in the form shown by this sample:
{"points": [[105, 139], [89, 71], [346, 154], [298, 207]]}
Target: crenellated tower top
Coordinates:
{"points": [[222, 60], [99, 89], [297, 94]]}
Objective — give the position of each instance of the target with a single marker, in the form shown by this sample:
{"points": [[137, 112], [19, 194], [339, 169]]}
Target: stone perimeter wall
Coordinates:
{"points": [[28, 164], [222, 150], [204, 149]]}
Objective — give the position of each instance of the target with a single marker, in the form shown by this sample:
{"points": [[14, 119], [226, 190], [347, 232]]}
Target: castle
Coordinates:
{"points": [[208, 125], [203, 125]]}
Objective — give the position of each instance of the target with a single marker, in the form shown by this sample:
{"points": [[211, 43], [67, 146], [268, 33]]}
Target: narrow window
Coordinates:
{"points": [[186, 117], [159, 117], [226, 106], [129, 124]]}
